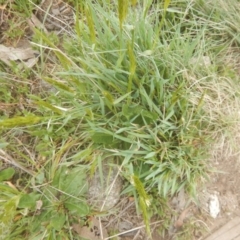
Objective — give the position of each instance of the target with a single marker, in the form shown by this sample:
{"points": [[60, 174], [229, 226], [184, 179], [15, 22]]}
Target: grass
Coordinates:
{"points": [[131, 83]]}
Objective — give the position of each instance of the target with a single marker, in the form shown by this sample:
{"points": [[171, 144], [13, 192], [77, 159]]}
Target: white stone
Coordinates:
{"points": [[214, 206]]}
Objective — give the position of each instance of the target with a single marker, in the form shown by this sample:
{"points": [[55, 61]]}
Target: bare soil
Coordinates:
{"points": [[226, 184]]}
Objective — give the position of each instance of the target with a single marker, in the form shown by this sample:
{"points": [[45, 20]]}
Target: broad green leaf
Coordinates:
{"points": [[70, 180], [102, 138], [129, 111], [150, 115], [40, 177], [28, 201], [9, 210], [79, 208], [44, 217], [3, 144], [57, 221], [6, 174]]}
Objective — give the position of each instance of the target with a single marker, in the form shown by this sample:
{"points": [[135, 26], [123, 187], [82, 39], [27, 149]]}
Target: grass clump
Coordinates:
{"points": [[131, 82], [135, 98]]}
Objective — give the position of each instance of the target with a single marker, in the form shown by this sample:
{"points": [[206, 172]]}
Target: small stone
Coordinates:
{"points": [[201, 61], [104, 193], [214, 206], [125, 227]]}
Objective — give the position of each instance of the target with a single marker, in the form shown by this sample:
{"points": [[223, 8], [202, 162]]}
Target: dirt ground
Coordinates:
{"points": [[226, 184]]}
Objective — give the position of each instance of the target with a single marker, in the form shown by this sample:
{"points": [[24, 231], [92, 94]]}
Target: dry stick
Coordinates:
{"points": [[131, 230], [136, 236], [120, 214], [203, 224], [34, 22], [48, 14], [5, 157]]}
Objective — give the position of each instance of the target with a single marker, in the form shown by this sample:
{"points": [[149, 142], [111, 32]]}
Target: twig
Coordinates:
{"points": [[5, 157], [131, 230]]}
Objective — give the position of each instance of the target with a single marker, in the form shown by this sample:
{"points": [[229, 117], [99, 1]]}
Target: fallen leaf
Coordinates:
{"points": [[131, 199], [77, 228], [2, 7], [17, 217], [11, 185], [22, 43], [39, 204], [8, 54], [93, 231], [31, 62], [34, 22]]}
